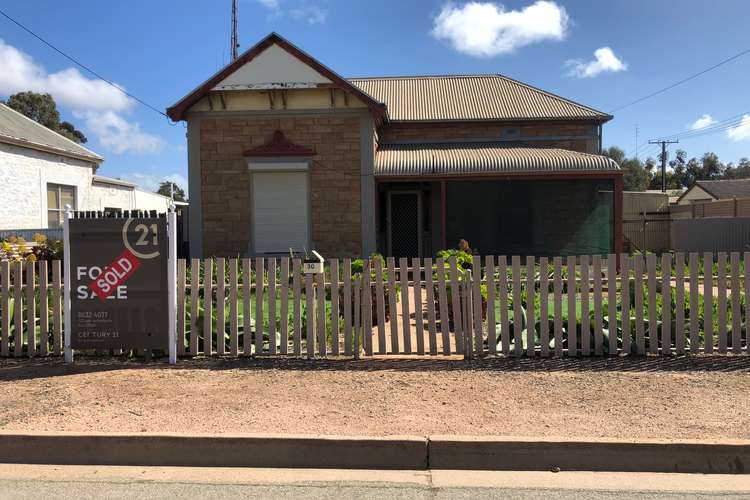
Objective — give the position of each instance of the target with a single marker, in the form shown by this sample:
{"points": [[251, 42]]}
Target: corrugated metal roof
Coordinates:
{"points": [[17, 129], [477, 97], [476, 158], [110, 180], [727, 188]]}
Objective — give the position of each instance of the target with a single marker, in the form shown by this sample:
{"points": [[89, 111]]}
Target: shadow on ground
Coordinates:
{"points": [[20, 369]]}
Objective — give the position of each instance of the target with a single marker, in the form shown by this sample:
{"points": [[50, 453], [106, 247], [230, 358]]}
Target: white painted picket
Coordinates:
{"points": [[512, 306]]}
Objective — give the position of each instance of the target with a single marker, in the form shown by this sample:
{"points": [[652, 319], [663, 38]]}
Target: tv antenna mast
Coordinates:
{"points": [[234, 42]]}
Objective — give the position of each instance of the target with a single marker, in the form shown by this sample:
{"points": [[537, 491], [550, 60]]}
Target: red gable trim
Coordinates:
{"points": [[279, 145], [177, 111]]}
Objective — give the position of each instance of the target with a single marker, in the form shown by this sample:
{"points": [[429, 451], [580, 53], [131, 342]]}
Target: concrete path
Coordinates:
{"points": [[21, 481], [398, 318]]}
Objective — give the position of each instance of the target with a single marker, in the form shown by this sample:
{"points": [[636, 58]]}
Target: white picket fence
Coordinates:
{"points": [[571, 306]]}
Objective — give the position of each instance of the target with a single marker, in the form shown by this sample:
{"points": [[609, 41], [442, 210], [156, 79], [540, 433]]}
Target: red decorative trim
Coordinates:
{"points": [[177, 112], [279, 145]]}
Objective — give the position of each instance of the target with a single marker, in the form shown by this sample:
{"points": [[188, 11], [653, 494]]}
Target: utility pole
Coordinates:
{"points": [[663, 162], [234, 42]]}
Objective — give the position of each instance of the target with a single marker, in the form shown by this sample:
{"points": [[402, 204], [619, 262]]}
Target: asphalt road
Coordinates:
{"points": [[34, 490], [35, 482]]}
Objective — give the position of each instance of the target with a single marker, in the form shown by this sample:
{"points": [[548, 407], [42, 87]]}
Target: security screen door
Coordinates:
{"points": [[404, 224]]}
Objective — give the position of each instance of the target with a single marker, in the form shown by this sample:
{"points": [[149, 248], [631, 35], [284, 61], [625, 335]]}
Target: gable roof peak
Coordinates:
{"points": [[178, 110]]}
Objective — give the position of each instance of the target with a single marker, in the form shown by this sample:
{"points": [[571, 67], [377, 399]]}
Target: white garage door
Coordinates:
{"points": [[280, 211]]}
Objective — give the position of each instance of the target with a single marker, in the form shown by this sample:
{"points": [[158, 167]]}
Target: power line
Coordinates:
{"points": [[648, 151], [720, 126], [75, 61], [687, 79]]}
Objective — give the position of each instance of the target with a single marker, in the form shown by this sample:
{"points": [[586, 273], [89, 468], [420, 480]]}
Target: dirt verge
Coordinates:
{"points": [[687, 398]]}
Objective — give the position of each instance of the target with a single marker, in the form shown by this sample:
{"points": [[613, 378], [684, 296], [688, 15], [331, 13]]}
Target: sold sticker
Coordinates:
{"points": [[115, 274]]}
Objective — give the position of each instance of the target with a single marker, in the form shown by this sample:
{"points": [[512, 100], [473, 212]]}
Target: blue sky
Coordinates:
{"points": [[159, 50]]}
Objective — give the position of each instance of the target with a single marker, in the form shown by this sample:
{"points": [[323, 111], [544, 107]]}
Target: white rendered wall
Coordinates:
{"points": [[24, 175], [111, 196], [151, 201]]}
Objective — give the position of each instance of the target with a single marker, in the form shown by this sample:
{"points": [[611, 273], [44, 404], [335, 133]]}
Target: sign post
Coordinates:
{"points": [[172, 283], [314, 265], [68, 350], [120, 282]]}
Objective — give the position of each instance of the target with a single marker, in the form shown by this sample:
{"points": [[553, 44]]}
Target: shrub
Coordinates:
{"points": [[15, 248]]}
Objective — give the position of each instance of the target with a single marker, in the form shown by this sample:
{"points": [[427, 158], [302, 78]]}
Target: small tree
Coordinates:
{"points": [[171, 190], [636, 177]]}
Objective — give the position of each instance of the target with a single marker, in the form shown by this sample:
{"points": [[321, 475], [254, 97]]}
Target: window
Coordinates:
{"points": [[57, 197]]}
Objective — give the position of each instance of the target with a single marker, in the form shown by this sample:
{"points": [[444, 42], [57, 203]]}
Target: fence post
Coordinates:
{"points": [[4, 307], [30, 308], [468, 323], [357, 315], [17, 308]]}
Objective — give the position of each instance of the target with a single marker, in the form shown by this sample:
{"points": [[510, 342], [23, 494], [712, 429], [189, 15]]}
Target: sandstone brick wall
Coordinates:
{"points": [[420, 132], [334, 180]]}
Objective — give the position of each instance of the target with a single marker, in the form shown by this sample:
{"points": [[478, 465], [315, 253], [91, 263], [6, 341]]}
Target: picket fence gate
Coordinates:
{"points": [[563, 306]]}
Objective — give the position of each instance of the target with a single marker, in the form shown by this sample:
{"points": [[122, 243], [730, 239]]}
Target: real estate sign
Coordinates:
{"points": [[119, 275]]}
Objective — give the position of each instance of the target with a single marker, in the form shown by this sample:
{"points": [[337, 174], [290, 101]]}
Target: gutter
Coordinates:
{"points": [[50, 149]]}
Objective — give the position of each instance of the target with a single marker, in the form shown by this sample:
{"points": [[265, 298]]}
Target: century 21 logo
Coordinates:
{"points": [[148, 236]]}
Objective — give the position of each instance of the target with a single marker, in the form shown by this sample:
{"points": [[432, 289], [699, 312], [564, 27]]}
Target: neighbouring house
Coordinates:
{"points": [[672, 194], [41, 172], [286, 154], [709, 191]]}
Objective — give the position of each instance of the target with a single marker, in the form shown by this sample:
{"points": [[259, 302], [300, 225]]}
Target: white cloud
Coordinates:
{"points": [[271, 4], [117, 134], [742, 131], [97, 103], [487, 29], [704, 121], [303, 11], [604, 61], [312, 14], [69, 87], [150, 182]]}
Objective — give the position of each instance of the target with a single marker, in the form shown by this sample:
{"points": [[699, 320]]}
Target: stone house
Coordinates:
{"points": [[41, 172], [286, 154]]}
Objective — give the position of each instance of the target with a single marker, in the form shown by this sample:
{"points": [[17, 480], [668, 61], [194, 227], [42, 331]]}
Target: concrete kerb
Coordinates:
{"points": [[392, 452], [522, 454], [276, 451]]}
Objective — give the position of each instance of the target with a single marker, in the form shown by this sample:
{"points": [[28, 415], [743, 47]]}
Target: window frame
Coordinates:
{"points": [[60, 210]]}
